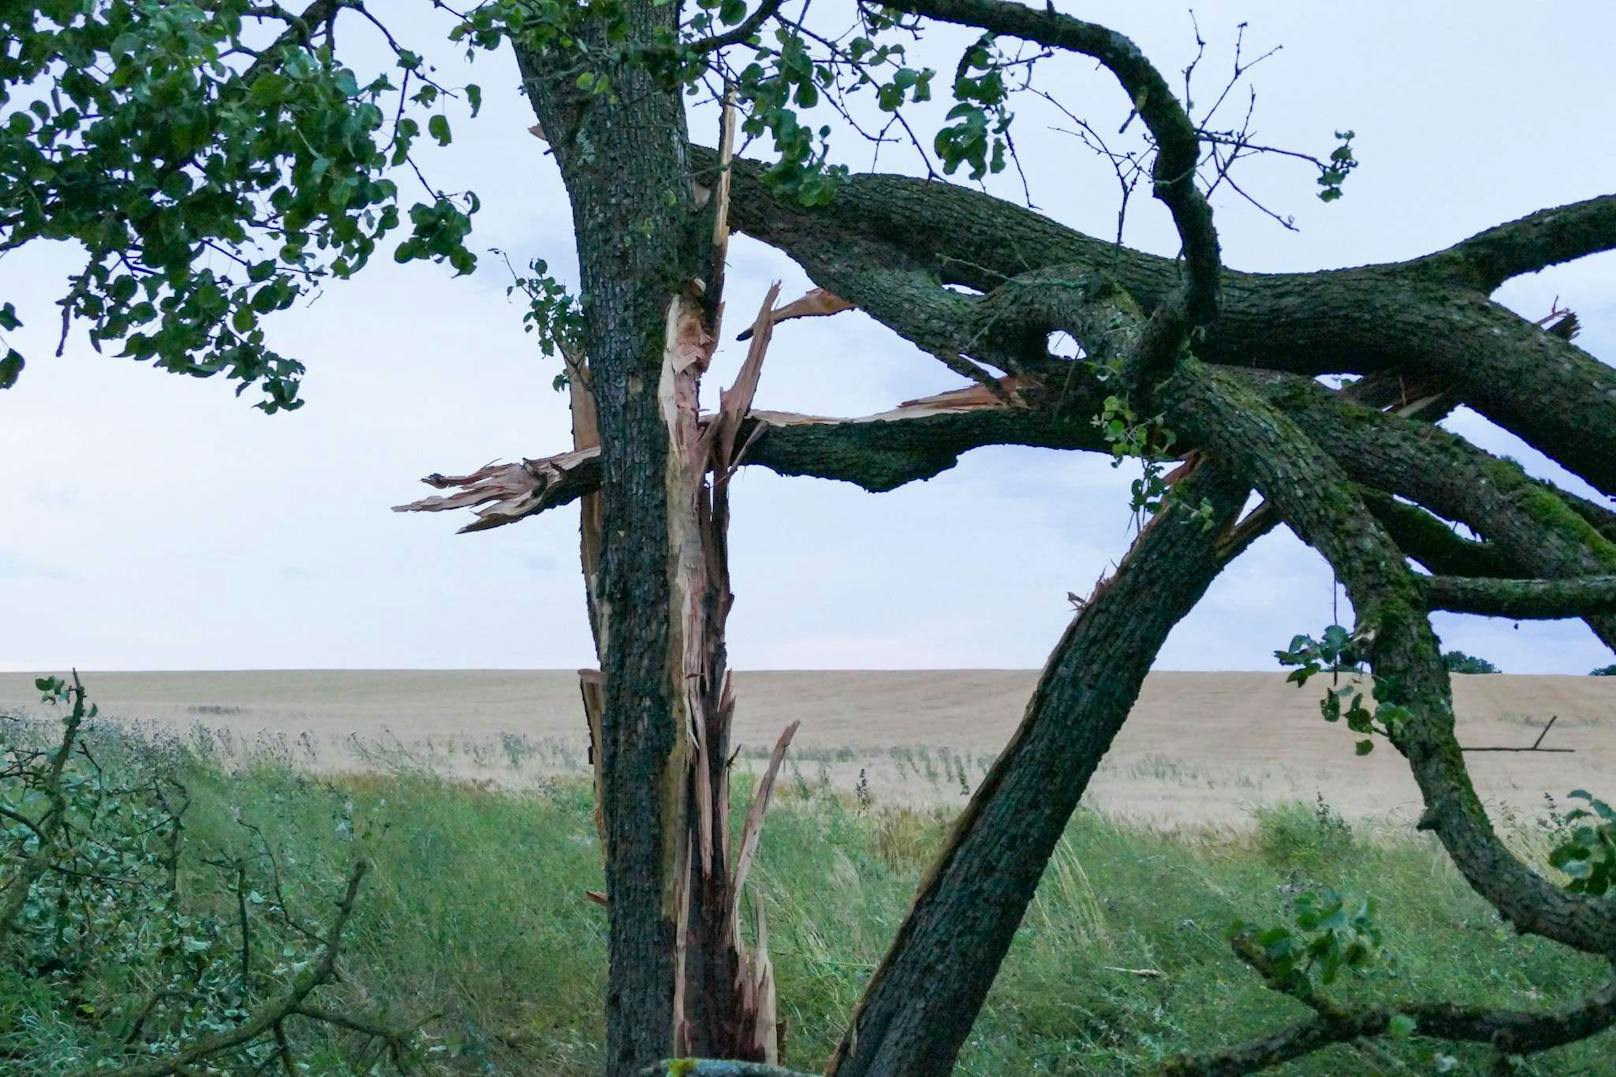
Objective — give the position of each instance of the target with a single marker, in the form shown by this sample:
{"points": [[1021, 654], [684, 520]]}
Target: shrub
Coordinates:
{"points": [[117, 945], [1459, 662]]}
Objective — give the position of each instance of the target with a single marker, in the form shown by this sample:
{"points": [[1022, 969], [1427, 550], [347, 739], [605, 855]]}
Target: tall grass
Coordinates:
{"points": [[475, 919]]}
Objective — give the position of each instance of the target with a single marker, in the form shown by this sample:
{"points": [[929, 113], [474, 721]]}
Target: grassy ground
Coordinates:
{"points": [[475, 912]]}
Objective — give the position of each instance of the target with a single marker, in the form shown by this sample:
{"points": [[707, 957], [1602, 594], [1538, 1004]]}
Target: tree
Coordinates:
{"points": [[1181, 360], [1459, 662]]}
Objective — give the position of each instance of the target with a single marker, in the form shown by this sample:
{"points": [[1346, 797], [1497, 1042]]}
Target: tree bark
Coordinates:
{"points": [[920, 1004], [1421, 314], [623, 161]]}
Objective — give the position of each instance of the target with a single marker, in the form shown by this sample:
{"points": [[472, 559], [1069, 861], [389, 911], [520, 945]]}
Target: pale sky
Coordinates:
{"points": [[159, 522]]}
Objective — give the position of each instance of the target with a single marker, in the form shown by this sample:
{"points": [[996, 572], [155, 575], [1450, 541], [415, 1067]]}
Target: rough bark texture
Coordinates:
{"points": [[950, 945], [1542, 387], [624, 165], [1227, 359], [1523, 599]]}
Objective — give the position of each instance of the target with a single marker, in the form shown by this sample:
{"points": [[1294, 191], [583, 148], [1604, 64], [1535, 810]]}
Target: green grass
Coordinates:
{"points": [[475, 912]]}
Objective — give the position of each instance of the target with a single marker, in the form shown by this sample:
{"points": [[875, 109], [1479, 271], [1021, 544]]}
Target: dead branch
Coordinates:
{"points": [[1536, 745]]}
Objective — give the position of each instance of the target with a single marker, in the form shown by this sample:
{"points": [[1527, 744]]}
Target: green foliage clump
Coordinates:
{"points": [[1337, 650], [1604, 671], [215, 162], [1459, 662], [1587, 852], [118, 943], [1332, 933]]}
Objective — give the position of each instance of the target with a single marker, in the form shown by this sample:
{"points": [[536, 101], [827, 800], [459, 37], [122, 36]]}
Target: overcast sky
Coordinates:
{"points": [[159, 522]]}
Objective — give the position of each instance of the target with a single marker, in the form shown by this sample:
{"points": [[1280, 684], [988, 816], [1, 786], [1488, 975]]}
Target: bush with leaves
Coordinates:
{"points": [[114, 953], [1459, 662]]}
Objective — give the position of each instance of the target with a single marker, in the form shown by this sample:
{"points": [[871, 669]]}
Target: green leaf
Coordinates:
{"points": [[438, 128], [11, 368], [1364, 747]]}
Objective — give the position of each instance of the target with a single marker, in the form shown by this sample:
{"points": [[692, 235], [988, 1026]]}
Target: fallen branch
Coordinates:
{"points": [[1509, 1031], [49, 828], [291, 1003], [1536, 744]]}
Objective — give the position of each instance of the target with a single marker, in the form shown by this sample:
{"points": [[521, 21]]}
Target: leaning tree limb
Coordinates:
{"points": [[911, 1020], [1315, 497], [918, 1007]]}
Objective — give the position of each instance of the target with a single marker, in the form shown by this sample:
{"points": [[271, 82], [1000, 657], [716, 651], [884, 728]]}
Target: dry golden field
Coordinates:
{"points": [[1199, 749]]}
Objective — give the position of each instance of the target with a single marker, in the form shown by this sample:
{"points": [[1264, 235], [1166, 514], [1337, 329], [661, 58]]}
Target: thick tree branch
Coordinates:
{"points": [[1313, 495], [1523, 518], [741, 31], [1534, 242], [1533, 383], [1433, 542], [1523, 599], [913, 1021]]}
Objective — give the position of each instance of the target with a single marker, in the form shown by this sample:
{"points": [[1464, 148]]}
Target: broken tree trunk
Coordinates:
{"points": [[724, 1004]]}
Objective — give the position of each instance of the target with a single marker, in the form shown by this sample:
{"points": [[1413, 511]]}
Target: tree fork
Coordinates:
{"points": [[1543, 388]]}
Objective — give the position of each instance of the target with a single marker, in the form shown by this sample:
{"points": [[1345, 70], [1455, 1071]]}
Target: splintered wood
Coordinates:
{"points": [[724, 1002]]}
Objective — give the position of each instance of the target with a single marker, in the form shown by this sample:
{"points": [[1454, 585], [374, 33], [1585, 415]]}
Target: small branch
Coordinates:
{"points": [[741, 31], [1536, 744]]}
